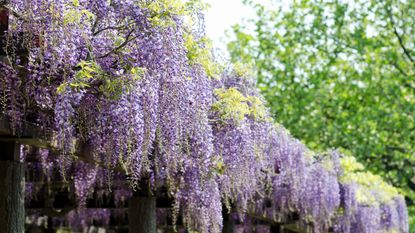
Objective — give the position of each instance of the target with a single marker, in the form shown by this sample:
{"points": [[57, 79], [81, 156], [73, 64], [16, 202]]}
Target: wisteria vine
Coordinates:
{"points": [[136, 81]]}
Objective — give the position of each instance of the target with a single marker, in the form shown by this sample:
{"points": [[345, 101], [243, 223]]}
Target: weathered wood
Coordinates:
{"points": [[142, 210], [37, 136], [228, 226], [4, 19], [27, 132], [9, 151], [142, 215], [275, 229], [292, 228], [12, 213], [228, 221]]}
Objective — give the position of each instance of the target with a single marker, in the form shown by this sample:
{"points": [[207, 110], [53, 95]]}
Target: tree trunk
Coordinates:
{"points": [[12, 213]]}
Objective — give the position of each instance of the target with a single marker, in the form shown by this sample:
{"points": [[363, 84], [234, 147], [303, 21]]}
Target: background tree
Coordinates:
{"points": [[340, 74]]}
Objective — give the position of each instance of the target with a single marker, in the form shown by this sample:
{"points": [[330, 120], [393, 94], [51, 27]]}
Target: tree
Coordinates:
{"points": [[340, 74]]}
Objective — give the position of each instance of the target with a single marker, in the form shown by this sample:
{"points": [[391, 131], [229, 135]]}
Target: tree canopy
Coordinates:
{"points": [[339, 74]]}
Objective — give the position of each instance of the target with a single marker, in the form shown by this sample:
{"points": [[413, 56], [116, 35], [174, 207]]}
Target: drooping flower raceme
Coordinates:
{"points": [[138, 85]]}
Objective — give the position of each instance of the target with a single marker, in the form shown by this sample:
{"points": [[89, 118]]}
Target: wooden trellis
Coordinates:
{"points": [[141, 208]]}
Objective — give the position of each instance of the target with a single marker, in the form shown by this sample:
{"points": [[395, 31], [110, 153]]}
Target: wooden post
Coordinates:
{"points": [[228, 227], [228, 223], [4, 19], [142, 211], [12, 213], [4, 26]]}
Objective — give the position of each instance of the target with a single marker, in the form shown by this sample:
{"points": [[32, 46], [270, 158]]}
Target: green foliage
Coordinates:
{"points": [[75, 15], [350, 165], [199, 52], [219, 165], [163, 10], [340, 74], [243, 70], [195, 6], [233, 105], [367, 182], [90, 73]]}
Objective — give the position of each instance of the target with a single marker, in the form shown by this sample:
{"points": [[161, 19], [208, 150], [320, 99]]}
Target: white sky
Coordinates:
{"points": [[221, 16]]}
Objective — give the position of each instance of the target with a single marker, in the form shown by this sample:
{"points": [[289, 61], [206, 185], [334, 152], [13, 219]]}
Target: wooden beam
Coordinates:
{"points": [[37, 136], [275, 229], [288, 228], [30, 132]]}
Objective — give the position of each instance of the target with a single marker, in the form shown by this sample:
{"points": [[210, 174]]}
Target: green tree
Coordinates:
{"points": [[340, 74]]}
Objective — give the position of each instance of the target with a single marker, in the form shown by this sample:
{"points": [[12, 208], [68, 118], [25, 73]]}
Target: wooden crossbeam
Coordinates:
{"points": [[288, 226], [37, 136], [30, 134], [293, 228]]}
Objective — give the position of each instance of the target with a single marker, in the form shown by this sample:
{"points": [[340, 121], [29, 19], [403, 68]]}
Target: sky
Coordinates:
{"points": [[220, 17]]}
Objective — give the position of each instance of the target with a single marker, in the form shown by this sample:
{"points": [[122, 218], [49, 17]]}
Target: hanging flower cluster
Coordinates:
{"points": [[136, 82], [369, 203]]}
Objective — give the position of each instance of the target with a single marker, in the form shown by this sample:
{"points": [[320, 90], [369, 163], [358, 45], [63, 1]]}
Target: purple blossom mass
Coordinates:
{"points": [[137, 84]]}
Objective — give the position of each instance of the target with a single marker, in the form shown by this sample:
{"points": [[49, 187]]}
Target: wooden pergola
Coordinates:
{"points": [[141, 208]]}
